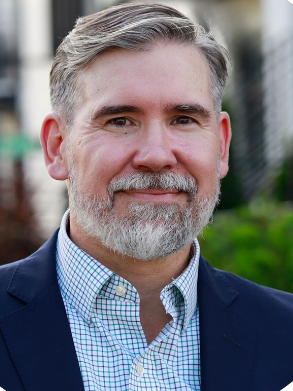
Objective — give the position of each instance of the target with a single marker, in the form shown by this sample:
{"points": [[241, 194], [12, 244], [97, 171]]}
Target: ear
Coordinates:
{"points": [[53, 135], [225, 139]]}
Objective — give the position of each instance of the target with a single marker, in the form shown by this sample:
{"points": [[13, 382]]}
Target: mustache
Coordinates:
{"points": [[149, 180]]}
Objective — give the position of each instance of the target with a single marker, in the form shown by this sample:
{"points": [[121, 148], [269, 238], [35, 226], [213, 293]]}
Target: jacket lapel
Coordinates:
{"points": [[38, 335], [227, 340]]}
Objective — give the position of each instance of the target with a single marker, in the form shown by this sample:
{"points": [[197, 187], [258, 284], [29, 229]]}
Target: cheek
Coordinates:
{"points": [[200, 157], [100, 162]]}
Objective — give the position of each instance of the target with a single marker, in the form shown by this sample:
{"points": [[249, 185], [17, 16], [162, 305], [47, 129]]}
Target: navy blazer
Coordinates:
{"points": [[246, 331]]}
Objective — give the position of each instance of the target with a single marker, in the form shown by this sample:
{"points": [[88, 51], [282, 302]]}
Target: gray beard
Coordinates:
{"points": [[150, 230]]}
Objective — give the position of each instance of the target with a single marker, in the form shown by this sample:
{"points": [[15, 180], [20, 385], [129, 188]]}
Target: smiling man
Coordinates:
{"points": [[120, 298]]}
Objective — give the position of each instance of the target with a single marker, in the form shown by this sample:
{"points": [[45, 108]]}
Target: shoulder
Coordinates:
{"points": [[257, 302], [6, 274], [8, 303], [23, 280], [259, 294]]}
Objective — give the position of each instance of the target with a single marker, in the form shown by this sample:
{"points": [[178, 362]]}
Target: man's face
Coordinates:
{"points": [[146, 151]]}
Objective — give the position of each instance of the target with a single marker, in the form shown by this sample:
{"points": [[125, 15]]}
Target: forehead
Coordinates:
{"points": [[166, 73]]}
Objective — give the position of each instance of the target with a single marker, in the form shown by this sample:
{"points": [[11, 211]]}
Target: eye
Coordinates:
{"points": [[183, 120], [119, 122]]}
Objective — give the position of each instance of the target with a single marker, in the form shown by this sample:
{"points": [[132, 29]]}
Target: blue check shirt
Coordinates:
{"points": [[103, 313]]}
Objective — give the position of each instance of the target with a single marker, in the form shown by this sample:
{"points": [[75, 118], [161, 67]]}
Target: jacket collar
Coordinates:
{"points": [[38, 334], [227, 339], [35, 273]]}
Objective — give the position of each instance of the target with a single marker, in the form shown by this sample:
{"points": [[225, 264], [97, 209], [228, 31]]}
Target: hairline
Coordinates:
{"points": [[134, 27]]}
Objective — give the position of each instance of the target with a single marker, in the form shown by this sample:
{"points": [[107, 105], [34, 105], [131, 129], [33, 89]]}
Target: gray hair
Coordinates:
{"points": [[133, 26]]}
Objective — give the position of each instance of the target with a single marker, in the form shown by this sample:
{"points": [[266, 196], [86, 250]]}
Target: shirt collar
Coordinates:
{"points": [[186, 284], [81, 278]]}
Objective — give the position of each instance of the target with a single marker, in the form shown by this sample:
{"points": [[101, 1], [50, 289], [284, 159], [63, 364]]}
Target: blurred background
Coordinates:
{"points": [[252, 233]]}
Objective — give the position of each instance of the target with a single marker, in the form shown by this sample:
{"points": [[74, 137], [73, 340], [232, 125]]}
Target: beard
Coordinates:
{"points": [[146, 231]]}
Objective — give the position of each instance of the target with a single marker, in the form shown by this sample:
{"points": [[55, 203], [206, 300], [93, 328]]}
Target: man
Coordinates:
{"points": [[119, 298]]}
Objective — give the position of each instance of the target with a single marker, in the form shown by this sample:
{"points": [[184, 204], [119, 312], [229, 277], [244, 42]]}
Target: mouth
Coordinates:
{"points": [[154, 195]]}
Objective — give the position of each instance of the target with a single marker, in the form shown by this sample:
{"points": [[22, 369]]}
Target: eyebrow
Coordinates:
{"points": [[181, 108], [110, 110], [190, 109]]}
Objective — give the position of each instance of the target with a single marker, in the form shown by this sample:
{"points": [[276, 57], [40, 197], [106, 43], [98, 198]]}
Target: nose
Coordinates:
{"points": [[155, 152]]}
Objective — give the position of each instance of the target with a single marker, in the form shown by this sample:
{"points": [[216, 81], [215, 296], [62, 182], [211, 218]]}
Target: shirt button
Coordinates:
{"points": [[120, 290], [140, 369]]}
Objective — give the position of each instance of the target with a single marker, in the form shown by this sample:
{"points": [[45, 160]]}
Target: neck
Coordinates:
{"points": [[145, 276], [148, 277]]}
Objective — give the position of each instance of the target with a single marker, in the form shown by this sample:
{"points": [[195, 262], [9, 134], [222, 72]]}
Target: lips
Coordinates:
{"points": [[153, 195], [154, 191]]}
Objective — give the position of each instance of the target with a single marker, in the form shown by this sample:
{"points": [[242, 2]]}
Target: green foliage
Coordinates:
{"points": [[255, 242]]}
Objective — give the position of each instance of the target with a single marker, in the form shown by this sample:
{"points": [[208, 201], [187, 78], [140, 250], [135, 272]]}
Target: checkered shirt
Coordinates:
{"points": [[105, 324]]}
